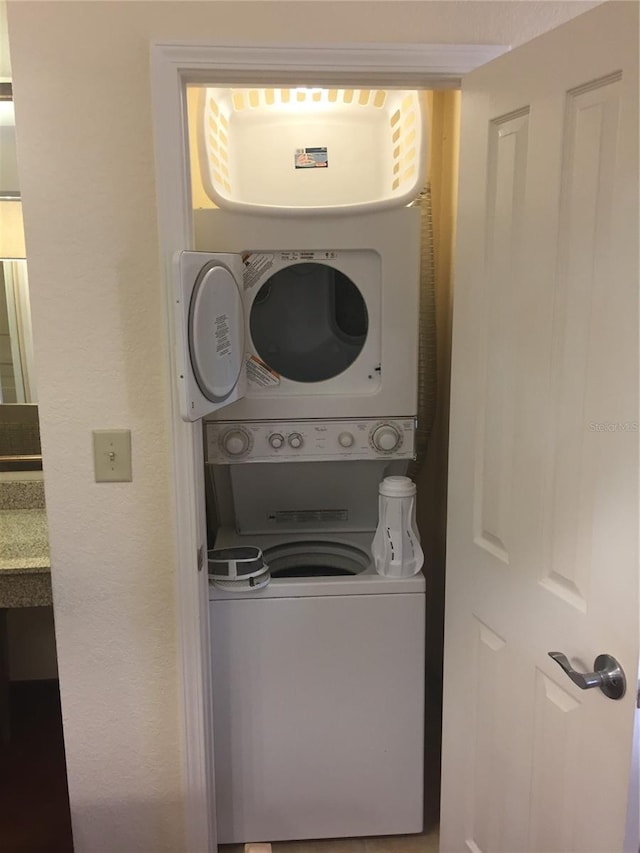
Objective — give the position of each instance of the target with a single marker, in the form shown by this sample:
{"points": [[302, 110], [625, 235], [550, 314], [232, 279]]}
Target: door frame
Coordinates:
{"points": [[173, 65]]}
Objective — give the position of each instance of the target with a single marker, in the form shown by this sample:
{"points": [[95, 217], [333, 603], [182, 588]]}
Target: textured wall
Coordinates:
{"points": [[81, 76], [5, 62]]}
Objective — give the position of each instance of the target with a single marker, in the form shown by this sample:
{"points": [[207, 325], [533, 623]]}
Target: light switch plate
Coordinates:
{"points": [[112, 455]]}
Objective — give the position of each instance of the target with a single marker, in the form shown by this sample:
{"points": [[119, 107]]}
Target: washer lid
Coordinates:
{"points": [[216, 332]]}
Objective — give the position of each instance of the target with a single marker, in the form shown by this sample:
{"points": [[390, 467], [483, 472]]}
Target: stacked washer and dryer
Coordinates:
{"points": [[297, 346]]}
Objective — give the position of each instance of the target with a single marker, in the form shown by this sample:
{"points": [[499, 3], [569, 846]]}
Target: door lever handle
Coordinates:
{"points": [[608, 675]]}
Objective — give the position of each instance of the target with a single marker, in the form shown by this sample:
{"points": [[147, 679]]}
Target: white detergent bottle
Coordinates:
{"points": [[396, 547]]}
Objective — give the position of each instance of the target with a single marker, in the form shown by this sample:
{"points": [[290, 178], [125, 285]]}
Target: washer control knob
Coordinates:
{"points": [[276, 440], [295, 440], [385, 438], [235, 442], [346, 439]]}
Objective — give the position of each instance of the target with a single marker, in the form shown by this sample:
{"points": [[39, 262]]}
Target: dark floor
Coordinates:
{"points": [[34, 802]]}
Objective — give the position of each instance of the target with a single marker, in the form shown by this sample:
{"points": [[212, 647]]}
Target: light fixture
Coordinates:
{"points": [[11, 230], [11, 226]]}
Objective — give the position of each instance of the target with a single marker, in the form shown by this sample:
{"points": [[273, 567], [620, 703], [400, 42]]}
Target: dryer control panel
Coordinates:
{"points": [[310, 440]]}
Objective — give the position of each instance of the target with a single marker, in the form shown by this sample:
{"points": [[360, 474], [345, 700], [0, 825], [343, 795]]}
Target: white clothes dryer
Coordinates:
{"points": [[281, 319]]}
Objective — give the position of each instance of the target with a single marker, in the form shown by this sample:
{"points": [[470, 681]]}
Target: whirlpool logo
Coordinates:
{"points": [[613, 426]]}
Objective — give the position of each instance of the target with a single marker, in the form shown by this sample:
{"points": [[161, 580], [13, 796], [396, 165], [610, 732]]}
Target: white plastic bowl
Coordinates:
{"points": [[311, 151]]}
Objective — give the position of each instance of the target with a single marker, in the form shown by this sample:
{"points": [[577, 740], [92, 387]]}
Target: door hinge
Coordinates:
{"points": [[200, 558]]}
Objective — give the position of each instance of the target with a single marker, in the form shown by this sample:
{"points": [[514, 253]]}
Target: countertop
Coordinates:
{"points": [[24, 545], [25, 569]]}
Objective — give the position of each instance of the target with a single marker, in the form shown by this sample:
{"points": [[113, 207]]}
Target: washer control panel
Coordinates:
{"points": [[271, 441]]}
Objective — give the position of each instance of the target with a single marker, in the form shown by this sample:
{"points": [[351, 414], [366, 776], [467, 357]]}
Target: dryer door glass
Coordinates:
{"points": [[309, 322]]}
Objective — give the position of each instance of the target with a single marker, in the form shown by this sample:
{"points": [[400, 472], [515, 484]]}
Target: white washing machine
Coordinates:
{"points": [[284, 318], [318, 678]]}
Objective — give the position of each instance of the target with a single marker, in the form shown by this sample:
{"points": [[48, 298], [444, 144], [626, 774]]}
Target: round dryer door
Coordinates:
{"points": [[216, 332], [309, 322]]}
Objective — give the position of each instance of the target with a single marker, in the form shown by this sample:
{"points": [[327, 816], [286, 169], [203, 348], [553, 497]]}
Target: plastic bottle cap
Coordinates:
{"points": [[397, 487]]}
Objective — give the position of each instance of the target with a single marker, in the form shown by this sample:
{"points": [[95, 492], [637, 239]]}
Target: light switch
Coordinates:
{"points": [[112, 455]]}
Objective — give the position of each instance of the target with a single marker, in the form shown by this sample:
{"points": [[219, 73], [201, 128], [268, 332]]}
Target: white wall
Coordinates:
{"points": [[81, 83], [5, 62]]}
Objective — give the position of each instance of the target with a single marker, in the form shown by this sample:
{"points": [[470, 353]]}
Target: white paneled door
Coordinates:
{"points": [[543, 489]]}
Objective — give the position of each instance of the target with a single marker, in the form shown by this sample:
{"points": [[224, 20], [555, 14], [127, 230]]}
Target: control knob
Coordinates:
{"points": [[345, 439], [276, 440], [236, 442], [295, 440], [385, 438]]}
